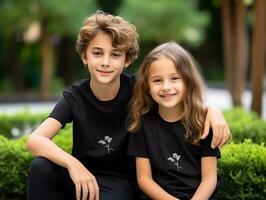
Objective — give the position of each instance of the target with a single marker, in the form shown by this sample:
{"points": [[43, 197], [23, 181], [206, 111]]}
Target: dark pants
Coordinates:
{"points": [[48, 181]]}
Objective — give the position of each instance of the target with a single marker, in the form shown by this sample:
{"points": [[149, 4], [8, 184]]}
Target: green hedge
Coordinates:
{"points": [[20, 123], [246, 125], [243, 124], [15, 161], [242, 167], [14, 164], [242, 170]]}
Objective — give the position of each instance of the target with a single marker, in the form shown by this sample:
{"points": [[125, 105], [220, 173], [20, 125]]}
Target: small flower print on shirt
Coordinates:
{"points": [[174, 160], [106, 143]]}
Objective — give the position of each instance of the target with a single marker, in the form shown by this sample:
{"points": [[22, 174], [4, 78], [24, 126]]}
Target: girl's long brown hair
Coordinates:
{"points": [[194, 110]]}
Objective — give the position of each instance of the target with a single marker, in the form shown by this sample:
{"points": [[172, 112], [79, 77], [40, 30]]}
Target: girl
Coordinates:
{"points": [[98, 167], [168, 114]]}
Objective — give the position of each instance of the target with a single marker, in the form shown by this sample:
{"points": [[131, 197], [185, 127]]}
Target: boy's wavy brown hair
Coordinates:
{"points": [[194, 110], [124, 35]]}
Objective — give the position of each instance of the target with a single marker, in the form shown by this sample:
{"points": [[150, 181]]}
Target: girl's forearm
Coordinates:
{"points": [[153, 190], [205, 189]]}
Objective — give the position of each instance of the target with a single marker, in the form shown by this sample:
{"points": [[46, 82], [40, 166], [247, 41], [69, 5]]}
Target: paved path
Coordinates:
{"points": [[215, 97], [221, 98]]}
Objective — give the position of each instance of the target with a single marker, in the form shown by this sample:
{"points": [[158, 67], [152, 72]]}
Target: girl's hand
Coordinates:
{"points": [[221, 132], [84, 181]]}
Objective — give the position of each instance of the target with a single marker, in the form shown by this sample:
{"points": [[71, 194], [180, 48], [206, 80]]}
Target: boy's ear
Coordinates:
{"points": [[127, 64], [83, 58]]}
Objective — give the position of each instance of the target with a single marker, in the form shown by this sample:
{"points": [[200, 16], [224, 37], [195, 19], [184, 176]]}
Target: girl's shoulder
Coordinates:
{"points": [[150, 118]]}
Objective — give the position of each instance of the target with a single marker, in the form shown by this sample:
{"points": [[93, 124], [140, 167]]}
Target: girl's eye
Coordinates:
{"points": [[174, 78], [156, 80]]}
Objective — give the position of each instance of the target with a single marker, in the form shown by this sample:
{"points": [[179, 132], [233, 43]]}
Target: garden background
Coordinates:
{"points": [[227, 38]]}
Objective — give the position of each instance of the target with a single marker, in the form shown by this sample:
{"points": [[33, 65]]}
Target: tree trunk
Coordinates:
{"points": [[234, 48], [258, 54], [47, 64], [227, 25], [240, 53]]}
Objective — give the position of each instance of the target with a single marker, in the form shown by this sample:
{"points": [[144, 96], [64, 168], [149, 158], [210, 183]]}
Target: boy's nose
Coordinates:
{"points": [[105, 61]]}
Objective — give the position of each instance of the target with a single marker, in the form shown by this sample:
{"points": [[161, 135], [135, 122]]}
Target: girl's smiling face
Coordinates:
{"points": [[166, 84]]}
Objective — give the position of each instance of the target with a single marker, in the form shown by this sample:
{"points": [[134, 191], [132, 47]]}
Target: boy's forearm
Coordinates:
{"points": [[42, 146], [216, 121], [40, 143]]}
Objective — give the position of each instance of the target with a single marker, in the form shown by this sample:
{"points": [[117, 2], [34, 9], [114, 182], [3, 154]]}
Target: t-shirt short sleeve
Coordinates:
{"points": [[206, 149], [137, 144], [62, 112]]}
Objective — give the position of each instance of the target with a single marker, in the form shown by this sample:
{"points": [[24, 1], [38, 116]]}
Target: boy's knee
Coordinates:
{"points": [[41, 180], [41, 167]]}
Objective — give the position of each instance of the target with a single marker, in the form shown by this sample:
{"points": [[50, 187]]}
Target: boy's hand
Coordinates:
{"points": [[84, 181], [221, 132]]}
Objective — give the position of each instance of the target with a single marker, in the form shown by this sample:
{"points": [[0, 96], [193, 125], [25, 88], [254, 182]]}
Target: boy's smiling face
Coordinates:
{"points": [[105, 62]]}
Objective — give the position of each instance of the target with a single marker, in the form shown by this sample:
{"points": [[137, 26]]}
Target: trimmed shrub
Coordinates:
{"points": [[244, 125], [14, 164], [15, 161], [242, 169]]}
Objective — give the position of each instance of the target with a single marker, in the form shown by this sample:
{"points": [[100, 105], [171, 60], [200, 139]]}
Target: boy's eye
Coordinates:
{"points": [[116, 54], [97, 53]]}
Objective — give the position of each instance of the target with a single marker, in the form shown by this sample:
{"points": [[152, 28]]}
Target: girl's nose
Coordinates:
{"points": [[166, 85]]}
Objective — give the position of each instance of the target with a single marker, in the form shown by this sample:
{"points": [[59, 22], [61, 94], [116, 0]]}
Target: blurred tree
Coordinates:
{"points": [[235, 48], [159, 21], [56, 19], [208, 54], [109, 6], [11, 26]]}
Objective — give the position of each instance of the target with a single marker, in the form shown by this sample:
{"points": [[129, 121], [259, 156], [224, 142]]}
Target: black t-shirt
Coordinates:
{"points": [[175, 163], [100, 138]]}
